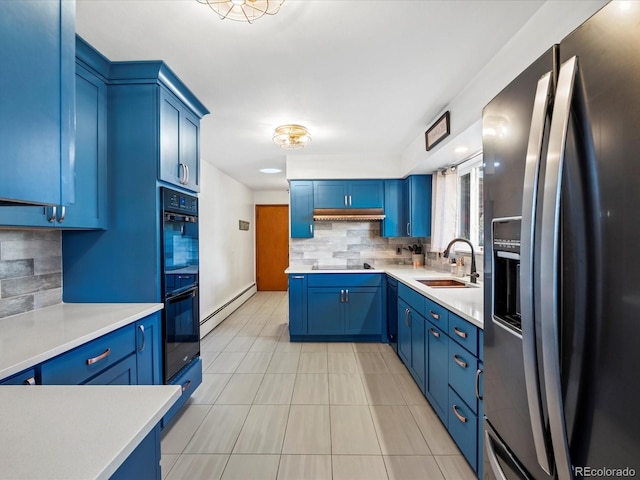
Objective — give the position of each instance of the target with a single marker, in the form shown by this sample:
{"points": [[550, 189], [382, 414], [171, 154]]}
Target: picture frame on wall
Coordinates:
{"points": [[438, 131]]}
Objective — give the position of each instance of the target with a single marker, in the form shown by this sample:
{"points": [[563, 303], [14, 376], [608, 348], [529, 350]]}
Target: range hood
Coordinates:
{"points": [[348, 214]]}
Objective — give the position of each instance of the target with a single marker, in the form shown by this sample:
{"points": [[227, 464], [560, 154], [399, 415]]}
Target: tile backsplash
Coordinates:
{"points": [[30, 270]]}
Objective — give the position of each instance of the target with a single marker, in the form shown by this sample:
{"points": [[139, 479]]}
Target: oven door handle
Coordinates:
{"points": [[174, 217], [183, 296]]}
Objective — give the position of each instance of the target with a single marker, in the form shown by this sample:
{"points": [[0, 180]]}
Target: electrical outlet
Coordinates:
{"points": [[398, 250]]}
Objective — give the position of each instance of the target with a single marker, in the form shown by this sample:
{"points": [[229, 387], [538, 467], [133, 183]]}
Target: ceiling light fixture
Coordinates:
{"points": [[243, 10], [291, 137], [270, 170]]}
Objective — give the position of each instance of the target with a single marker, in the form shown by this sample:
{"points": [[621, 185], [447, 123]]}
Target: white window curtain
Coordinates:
{"points": [[444, 217]]}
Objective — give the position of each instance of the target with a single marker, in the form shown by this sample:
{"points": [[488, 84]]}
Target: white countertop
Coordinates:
{"points": [[466, 302], [33, 337], [76, 432]]}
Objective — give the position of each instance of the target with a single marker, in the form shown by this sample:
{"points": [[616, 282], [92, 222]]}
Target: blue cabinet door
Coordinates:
{"points": [[297, 305], [325, 312], [331, 194], [144, 461], [363, 311], [418, 348], [418, 194], [366, 194], [122, 373], [404, 332], [37, 114], [148, 350], [395, 223], [170, 169], [437, 386], [190, 148], [301, 209]]}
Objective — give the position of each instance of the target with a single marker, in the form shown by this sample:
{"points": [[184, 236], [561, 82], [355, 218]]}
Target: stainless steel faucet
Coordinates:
{"points": [[474, 273]]}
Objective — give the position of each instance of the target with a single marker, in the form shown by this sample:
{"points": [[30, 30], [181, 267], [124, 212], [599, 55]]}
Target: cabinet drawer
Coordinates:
{"points": [[123, 373], [462, 374], [85, 361], [414, 299], [464, 333], [436, 314], [344, 280], [463, 427], [27, 377], [189, 380]]}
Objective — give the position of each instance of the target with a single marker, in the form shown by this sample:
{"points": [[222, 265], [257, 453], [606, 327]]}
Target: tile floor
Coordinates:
{"points": [[271, 409]]}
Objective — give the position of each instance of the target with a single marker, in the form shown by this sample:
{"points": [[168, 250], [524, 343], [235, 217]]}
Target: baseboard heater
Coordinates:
{"points": [[227, 309]]}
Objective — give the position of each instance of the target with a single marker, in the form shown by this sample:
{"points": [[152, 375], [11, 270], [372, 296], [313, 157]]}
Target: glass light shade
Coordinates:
{"points": [[291, 137], [243, 10]]}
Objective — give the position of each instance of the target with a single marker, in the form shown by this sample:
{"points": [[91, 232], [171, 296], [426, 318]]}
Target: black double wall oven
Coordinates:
{"points": [[181, 314]]}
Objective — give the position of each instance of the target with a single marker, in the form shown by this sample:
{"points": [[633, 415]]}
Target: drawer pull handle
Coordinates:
{"points": [[186, 385], [144, 338], [54, 214], [462, 418], [478, 373], [434, 315], [299, 277], [30, 381], [434, 333], [462, 363], [91, 361], [460, 333]]}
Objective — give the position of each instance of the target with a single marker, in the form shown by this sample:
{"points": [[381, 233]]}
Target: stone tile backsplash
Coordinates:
{"points": [[30, 270]]}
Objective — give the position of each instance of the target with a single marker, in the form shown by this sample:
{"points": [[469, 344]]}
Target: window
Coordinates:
{"points": [[470, 210]]}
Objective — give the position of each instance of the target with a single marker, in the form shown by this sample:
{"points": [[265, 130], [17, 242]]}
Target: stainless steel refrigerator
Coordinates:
{"points": [[562, 270]]}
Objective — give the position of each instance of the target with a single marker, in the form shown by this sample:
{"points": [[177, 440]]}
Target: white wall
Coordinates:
{"points": [[549, 25], [304, 167], [227, 254], [271, 197]]}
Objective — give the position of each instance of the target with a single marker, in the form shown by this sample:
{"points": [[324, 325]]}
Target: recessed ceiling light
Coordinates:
{"points": [[461, 150], [270, 170]]}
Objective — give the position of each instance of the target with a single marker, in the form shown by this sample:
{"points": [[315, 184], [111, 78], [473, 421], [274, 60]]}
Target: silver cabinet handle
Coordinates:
{"points": [[434, 333], [311, 228], [460, 333], [102, 356], [406, 317], [144, 338], [462, 418], [341, 296], [347, 300], [349, 200], [345, 201], [54, 214], [186, 385], [408, 229], [462, 363], [529, 203], [297, 276], [182, 173], [434, 315], [63, 214], [568, 85], [186, 182], [478, 373], [30, 381]]}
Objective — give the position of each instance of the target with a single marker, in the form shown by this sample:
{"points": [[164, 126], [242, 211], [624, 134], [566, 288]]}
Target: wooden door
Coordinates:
{"points": [[272, 246]]}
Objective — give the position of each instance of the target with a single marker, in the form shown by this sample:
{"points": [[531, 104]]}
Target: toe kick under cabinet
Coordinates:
{"points": [[443, 353]]}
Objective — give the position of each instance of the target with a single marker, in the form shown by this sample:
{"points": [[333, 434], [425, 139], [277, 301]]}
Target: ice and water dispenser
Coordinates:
{"points": [[505, 237]]}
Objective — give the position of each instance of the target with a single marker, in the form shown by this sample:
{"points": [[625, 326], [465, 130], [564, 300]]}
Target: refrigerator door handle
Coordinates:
{"points": [[493, 457], [527, 286], [549, 275]]}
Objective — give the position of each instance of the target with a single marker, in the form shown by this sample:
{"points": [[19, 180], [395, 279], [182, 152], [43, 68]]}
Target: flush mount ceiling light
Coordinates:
{"points": [[243, 10], [270, 170], [291, 137]]}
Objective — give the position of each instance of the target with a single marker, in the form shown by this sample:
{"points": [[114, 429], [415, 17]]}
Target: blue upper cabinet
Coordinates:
{"points": [[348, 194], [37, 114], [395, 222], [418, 195], [301, 208]]}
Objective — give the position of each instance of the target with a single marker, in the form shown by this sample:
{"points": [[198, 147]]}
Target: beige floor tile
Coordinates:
{"points": [[208, 357], [346, 389], [311, 347], [305, 467], [252, 467], [311, 389], [211, 386], [219, 429], [413, 468], [182, 427], [250, 330], [198, 467], [227, 328], [215, 343], [226, 362], [358, 467], [259, 319], [410, 391], [241, 389], [276, 388], [167, 461], [433, 431], [239, 344], [308, 430], [273, 330], [340, 347], [342, 362], [371, 362], [285, 345], [264, 344], [263, 430], [455, 467], [381, 389], [366, 347], [394, 364], [284, 362], [352, 431], [398, 432], [315, 362], [254, 362]]}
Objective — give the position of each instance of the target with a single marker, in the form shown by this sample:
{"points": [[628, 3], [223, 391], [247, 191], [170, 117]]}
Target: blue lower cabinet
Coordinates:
{"points": [[189, 380], [437, 386], [149, 350], [462, 374], [480, 386], [122, 373], [463, 428], [27, 377], [363, 311], [297, 305], [404, 332], [325, 314], [144, 461], [411, 342]]}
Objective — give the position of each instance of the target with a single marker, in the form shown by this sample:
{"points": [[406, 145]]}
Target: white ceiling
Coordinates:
{"points": [[366, 77]]}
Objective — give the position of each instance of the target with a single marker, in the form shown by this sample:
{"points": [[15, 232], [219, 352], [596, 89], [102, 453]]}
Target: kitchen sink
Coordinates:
{"points": [[445, 283]]}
